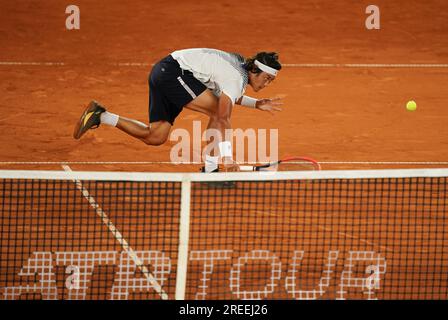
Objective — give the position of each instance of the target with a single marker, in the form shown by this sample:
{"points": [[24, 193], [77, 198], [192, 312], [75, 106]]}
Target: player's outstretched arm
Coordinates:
{"points": [[269, 105]]}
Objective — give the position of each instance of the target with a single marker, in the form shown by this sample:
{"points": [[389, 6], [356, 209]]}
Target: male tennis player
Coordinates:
{"points": [[204, 80]]}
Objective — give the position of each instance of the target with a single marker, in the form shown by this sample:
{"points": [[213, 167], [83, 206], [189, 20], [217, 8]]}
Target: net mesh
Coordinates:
{"points": [[344, 239], [361, 238], [57, 243]]}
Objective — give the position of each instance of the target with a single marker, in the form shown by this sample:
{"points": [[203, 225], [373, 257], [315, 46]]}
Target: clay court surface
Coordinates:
{"points": [[333, 111]]}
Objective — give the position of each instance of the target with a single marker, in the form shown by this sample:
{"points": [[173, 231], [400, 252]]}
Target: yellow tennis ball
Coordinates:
{"points": [[411, 105]]}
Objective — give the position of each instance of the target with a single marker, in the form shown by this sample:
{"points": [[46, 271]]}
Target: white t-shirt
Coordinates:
{"points": [[219, 71]]}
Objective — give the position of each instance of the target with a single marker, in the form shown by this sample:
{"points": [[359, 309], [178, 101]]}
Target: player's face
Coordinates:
{"points": [[260, 80]]}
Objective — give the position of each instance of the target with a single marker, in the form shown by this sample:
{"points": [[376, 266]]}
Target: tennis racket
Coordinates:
{"points": [[286, 164]]}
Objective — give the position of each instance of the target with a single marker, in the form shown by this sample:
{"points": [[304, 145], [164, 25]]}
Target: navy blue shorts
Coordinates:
{"points": [[170, 89]]}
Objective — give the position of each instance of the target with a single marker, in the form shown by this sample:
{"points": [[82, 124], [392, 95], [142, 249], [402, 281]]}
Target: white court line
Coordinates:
{"points": [[192, 163], [118, 236], [366, 65], [133, 64], [290, 65], [36, 63]]}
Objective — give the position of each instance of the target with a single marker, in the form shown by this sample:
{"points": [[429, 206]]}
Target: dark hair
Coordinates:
{"points": [[268, 58]]}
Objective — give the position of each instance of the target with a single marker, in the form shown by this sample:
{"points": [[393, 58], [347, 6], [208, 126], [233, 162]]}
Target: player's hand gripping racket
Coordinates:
{"points": [[286, 164]]}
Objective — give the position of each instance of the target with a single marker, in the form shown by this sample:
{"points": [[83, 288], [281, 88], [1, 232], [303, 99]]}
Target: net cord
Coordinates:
{"points": [[224, 176]]}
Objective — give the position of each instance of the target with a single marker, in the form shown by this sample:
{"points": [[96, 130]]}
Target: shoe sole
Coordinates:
{"points": [[86, 115], [219, 184]]}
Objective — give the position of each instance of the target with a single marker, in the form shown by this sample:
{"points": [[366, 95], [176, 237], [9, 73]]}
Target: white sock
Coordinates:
{"points": [[108, 118], [211, 163]]}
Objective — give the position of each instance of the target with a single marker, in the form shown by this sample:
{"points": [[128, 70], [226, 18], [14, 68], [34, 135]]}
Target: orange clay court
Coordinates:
{"points": [[344, 89]]}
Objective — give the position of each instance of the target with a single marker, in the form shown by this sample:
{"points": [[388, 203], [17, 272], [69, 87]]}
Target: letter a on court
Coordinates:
{"points": [[73, 20], [373, 21]]}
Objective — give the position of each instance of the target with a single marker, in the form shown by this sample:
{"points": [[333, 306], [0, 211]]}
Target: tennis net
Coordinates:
{"points": [[378, 234]]}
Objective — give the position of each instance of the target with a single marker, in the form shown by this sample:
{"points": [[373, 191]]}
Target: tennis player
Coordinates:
{"points": [[209, 81]]}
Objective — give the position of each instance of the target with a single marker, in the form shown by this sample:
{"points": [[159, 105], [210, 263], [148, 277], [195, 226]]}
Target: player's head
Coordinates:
{"points": [[262, 69]]}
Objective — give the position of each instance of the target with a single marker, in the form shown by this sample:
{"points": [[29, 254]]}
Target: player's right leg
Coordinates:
{"points": [[155, 134], [95, 114]]}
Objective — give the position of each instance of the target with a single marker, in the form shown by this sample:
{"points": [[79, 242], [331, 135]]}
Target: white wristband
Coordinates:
{"points": [[249, 102], [225, 149]]}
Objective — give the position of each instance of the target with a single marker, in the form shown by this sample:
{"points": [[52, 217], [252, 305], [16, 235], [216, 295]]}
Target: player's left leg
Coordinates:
{"points": [[207, 103]]}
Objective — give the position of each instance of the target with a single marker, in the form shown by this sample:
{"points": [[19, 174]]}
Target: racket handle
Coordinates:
{"points": [[247, 168], [264, 167]]}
